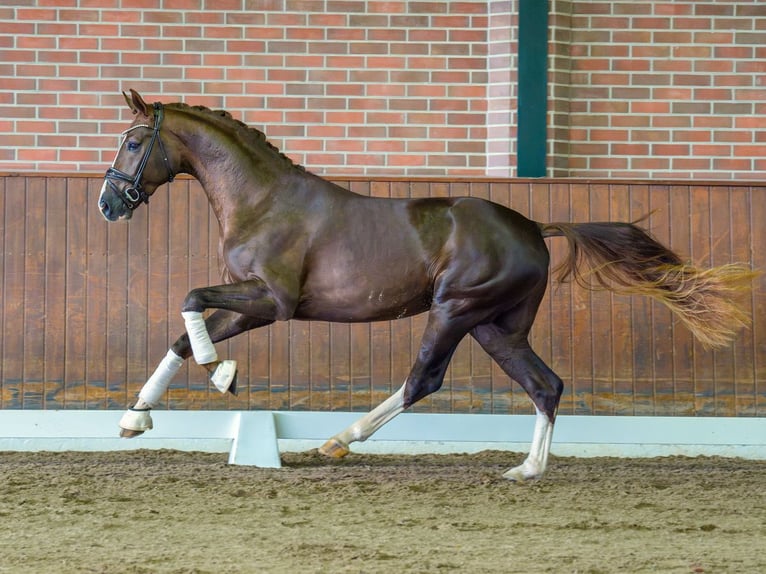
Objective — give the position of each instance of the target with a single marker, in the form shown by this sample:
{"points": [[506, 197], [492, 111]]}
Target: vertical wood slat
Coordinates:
{"points": [[12, 355], [54, 331], [89, 308]]}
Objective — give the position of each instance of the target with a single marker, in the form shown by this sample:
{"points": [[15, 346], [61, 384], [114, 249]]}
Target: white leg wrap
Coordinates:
{"points": [[201, 344], [158, 383]]}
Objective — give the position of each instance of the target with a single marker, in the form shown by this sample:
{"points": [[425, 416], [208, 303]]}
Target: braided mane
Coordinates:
{"points": [[251, 135]]}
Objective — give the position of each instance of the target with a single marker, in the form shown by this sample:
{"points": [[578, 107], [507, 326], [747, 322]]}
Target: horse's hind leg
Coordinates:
{"points": [[510, 349], [440, 339], [220, 325]]}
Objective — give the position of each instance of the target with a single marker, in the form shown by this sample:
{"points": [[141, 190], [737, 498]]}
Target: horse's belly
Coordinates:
{"points": [[368, 303]]}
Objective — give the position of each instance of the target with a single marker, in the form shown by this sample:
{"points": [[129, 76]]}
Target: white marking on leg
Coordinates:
{"points": [[362, 429], [201, 344], [537, 459]]}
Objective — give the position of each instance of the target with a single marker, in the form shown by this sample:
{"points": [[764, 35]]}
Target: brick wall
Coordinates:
{"points": [[638, 89], [348, 87], [667, 89]]}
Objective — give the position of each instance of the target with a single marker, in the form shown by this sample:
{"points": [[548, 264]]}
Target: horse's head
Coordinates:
{"points": [[142, 163]]}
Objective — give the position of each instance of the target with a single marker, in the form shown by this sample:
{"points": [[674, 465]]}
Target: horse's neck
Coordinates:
{"points": [[233, 178]]}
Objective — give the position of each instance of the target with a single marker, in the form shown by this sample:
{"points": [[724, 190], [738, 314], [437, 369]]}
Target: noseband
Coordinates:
{"points": [[133, 194]]}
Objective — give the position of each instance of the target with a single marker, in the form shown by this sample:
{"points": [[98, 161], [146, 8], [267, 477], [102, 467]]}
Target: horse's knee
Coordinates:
{"points": [[194, 301]]}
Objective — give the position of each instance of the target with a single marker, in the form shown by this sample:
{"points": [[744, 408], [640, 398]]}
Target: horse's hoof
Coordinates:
{"points": [[225, 376], [523, 473], [134, 422], [334, 448]]}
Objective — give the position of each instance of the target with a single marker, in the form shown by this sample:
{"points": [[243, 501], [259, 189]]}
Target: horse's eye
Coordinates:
{"points": [[133, 146]]}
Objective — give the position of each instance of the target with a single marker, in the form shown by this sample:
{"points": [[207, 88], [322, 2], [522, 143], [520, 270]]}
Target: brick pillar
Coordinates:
{"points": [[502, 96], [559, 46]]}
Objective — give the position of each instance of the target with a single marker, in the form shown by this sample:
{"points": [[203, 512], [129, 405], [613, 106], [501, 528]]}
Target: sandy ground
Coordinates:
{"points": [[172, 512]]}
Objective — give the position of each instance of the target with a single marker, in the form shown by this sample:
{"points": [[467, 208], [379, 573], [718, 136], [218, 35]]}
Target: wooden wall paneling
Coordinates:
{"points": [[743, 349], [34, 293], [76, 294], [259, 364], [13, 294], [96, 396], [137, 304], [582, 320], [603, 399], [561, 300], [642, 322], [702, 242], [757, 210], [721, 245], [340, 367], [3, 251], [621, 324], [319, 362], [97, 304], [299, 365], [119, 392], [3, 294], [683, 341], [661, 333]]}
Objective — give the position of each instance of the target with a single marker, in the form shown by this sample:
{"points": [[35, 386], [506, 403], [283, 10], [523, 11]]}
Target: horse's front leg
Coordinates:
{"points": [[251, 298], [220, 325]]}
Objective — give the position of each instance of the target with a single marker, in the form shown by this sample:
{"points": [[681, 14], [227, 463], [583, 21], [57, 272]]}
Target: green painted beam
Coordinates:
{"points": [[532, 88]]}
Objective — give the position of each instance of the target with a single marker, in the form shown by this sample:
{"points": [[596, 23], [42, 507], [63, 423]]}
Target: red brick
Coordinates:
{"points": [[672, 120], [611, 135], [649, 163], [750, 150], [711, 150], [733, 136], [608, 163], [734, 164], [670, 149], [691, 136], [649, 107], [629, 149]]}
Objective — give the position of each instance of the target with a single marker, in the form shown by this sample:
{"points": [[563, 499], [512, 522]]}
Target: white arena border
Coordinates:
{"points": [[257, 437]]}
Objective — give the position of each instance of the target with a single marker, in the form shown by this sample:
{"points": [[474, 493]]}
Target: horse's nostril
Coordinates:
{"points": [[104, 207]]}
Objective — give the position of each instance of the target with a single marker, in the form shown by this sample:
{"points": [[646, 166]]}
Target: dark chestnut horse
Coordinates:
{"points": [[296, 246]]}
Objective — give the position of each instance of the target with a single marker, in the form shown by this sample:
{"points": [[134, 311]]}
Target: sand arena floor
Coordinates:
{"points": [[172, 512]]}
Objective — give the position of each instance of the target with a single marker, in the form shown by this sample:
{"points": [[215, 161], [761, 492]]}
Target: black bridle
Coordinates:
{"points": [[133, 194]]}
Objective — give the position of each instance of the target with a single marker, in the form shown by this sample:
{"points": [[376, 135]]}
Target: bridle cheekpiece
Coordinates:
{"points": [[133, 194]]}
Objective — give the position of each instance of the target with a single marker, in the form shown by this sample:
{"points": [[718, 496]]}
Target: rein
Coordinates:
{"points": [[133, 195]]}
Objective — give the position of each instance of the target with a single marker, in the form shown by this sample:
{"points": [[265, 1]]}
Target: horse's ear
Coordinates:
{"points": [[136, 102]]}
